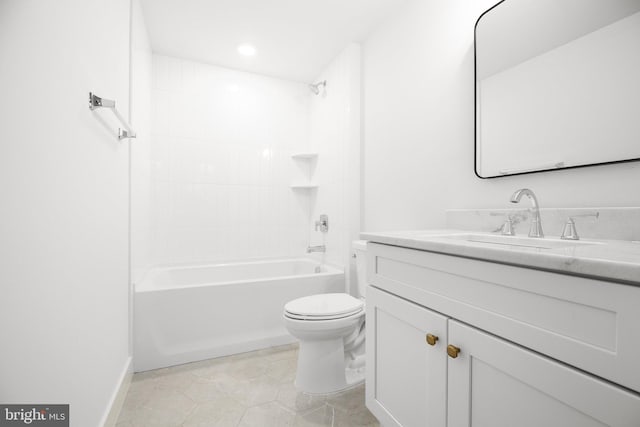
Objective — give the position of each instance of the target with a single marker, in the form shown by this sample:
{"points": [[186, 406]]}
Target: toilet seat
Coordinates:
{"points": [[318, 318], [323, 307]]}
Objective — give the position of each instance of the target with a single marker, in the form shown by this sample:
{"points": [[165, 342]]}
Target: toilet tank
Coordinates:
{"points": [[360, 250]]}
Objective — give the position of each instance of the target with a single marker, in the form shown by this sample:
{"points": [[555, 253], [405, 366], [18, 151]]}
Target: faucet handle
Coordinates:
{"points": [[507, 228], [595, 214], [569, 231], [323, 223], [511, 219]]}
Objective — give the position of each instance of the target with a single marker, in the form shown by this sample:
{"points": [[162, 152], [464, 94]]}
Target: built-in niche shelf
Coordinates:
{"points": [[304, 156], [306, 159], [304, 186]]}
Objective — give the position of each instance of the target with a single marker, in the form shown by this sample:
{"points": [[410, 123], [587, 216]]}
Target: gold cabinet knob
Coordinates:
{"points": [[431, 339], [453, 351]]}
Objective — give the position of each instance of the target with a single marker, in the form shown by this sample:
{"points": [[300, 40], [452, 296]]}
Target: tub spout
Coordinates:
{"points": [[320, 248]]}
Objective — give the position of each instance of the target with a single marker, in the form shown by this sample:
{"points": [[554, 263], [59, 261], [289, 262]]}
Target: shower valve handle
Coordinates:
{"points": [[323, 223]]}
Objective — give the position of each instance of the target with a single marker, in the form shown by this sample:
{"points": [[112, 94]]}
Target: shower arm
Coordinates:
{"points": [[315, 86]]}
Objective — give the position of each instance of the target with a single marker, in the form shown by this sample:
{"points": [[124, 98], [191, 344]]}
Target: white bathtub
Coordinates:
{"points": [[184, 314]]}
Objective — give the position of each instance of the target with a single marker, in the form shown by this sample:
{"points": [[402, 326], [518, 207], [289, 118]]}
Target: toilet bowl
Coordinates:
{"points": [[330, 330]]}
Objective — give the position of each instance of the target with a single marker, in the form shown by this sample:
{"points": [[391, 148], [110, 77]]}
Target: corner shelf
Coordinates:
{"points": [[304, 186], [304, 156]]}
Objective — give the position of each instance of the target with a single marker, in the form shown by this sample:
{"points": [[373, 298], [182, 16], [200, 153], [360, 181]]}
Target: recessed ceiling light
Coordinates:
{"points": [[246, 49]]}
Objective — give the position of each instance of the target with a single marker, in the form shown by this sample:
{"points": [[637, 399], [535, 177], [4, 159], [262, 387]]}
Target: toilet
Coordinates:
{"points": [[331, 331]]}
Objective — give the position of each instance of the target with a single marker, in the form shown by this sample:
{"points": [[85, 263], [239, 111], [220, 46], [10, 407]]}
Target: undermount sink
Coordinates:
{"points": [[528, 242]]}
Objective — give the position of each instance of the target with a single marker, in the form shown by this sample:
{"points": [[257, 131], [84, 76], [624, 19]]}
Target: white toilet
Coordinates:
{"points": [[330, 328]]}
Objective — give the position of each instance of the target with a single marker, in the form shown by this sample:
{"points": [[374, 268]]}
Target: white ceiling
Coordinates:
{"points": [[295, 39]]}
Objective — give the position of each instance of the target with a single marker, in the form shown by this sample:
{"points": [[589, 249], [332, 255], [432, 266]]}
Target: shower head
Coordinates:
{"points": [[315, 87]]}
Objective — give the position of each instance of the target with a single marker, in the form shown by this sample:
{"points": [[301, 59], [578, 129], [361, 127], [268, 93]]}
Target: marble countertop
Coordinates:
{"points": [[615, 260]]}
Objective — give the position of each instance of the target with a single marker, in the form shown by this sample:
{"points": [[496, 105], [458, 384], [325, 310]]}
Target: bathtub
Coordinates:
{"points": [[185, 314]]}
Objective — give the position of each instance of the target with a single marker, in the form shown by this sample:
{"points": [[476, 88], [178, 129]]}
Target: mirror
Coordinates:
{"points": [[557, 85]]}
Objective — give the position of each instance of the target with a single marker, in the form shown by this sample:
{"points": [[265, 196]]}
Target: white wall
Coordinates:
{"points": [[418, 128], [64, 206], [335, 136], [141, 78], [221, 164]]}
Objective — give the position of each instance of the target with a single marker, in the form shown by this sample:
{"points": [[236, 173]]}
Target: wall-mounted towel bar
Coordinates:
{"points": [[96, 102]]}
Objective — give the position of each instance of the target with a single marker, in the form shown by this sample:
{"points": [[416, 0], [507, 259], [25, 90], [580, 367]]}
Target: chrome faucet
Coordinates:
{"points": [[536, 224], [320, 248]]}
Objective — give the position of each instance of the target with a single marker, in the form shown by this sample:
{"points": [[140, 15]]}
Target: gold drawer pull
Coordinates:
{"points": [[431, 339], [453, 351]]}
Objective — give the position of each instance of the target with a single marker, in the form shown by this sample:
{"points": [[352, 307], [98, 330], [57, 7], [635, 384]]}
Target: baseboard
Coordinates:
{"points": [[158, 361], [119, 395]]}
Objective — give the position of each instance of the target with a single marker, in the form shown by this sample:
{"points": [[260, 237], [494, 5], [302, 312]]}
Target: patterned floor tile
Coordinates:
{"points": [[222, 412], [269, 414], [320, 417], [297, 401], [252, 389]]}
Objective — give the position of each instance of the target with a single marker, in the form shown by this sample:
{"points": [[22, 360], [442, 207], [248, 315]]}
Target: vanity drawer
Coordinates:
{"points": [[591, 324]]}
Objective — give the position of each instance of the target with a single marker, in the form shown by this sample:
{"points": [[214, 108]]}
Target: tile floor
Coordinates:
{"points": [[245, 390]]}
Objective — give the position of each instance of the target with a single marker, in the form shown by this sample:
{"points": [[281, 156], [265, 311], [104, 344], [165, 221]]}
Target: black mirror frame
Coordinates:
{"points": [[475, 118]]}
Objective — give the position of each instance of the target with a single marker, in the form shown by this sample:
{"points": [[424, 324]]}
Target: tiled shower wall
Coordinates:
{"points": [[335, 136], [221, 164]]}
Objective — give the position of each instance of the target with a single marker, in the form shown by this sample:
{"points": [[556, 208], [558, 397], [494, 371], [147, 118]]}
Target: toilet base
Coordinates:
{"points": [[321, 368], [354, 377]]}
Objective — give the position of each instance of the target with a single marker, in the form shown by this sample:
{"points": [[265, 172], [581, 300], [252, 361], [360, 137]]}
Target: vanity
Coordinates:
{"points": [[480, 329]]}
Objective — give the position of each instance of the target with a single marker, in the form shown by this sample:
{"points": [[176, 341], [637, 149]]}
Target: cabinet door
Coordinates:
{"points": [[494, 383], [406, 376]]}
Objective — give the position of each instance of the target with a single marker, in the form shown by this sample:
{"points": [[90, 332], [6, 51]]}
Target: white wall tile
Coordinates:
{"points": [[221, 165], [334, 134], [221, 162]]}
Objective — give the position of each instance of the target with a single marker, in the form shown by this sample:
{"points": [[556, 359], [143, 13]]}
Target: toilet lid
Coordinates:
{"points": [[323, 306]]}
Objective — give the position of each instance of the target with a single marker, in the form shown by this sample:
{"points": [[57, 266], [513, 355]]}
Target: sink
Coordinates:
{"points": [[521, 241]]}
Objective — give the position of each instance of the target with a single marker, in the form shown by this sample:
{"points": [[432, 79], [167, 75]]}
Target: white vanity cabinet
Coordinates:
{"points": [[535, 348], [495, 383], [410, 375]]}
